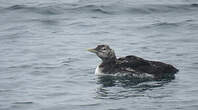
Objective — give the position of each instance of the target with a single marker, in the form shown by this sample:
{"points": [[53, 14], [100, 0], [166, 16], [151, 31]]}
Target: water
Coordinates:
{"points": [[44, 64]]}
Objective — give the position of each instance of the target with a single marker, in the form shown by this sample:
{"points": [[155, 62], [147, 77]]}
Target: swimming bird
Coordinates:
{"points": [[131, 65]]}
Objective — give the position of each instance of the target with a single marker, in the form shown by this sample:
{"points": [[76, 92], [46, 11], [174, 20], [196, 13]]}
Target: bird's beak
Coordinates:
{"points": [[92, 50]]}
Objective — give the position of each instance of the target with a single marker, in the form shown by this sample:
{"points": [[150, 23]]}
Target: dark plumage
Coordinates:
{"points": [[132, 65]]}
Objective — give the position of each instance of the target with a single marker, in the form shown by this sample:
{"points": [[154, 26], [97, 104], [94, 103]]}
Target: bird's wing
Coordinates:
{"points": [[139, 64], [132, 61], [145, 66]]}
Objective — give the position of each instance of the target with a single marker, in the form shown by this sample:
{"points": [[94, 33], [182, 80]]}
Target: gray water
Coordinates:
{"points": [[44, 64]]}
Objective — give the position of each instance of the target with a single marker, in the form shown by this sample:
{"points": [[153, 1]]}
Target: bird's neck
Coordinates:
{"points": [[108, 66]]}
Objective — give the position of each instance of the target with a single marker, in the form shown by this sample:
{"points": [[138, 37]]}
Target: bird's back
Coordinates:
{"points": [[156, 68]]}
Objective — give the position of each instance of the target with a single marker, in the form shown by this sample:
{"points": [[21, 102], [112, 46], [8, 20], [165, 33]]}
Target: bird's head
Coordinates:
{"points": [[104, 52]]}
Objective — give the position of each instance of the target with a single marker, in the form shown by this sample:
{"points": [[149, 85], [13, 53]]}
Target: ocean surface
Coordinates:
{"points": [[44, 64]]}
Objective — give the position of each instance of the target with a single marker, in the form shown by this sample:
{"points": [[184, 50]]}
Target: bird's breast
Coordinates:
{"points": [[98, 71]]}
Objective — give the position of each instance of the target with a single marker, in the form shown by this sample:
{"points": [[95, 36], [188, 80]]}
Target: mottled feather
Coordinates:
{"points": [[132, 65]]}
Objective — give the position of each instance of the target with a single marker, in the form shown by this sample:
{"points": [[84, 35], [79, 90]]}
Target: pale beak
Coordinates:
{"points": [[92, 50]]}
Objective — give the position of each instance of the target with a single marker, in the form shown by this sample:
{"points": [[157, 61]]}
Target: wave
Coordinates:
{"points": [[114, 8], [49, 10], [167, 25]]}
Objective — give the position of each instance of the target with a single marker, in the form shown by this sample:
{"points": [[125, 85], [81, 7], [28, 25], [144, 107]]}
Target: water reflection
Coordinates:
{"points": [[127, 81], [112, 87]]}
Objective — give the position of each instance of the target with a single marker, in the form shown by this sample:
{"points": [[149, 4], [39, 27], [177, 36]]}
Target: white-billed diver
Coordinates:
{"points": [[131, 65]]}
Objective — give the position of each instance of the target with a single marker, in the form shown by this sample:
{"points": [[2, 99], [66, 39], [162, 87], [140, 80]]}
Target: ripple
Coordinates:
{"points": [[92, 104], [194, 5], [49, 10], [92, 8], [25, 102], [165, 25], [136, 9], [121, 8], [17, 7], [110, 87]]}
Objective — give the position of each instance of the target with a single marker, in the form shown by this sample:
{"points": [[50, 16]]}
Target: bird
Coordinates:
{"points": [[130, 65]]}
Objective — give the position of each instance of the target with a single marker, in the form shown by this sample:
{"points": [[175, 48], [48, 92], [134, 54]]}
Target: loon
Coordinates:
{"points": [[130, 65]]}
